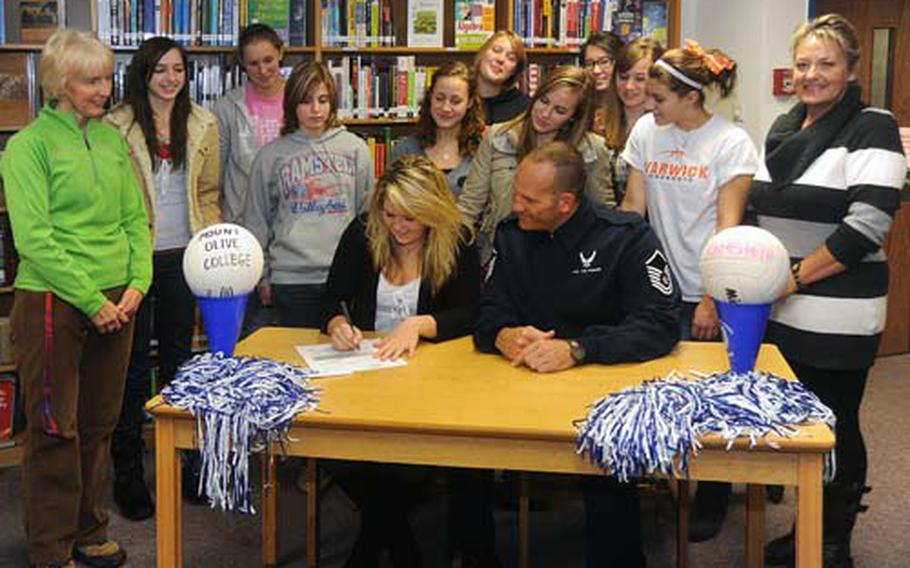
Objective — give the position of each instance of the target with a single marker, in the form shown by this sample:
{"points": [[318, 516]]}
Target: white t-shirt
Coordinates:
{"points": [[683, 171], [394, 304]]}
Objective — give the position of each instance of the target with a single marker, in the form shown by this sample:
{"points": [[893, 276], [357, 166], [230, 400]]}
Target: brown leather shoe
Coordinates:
{"points": [[107, 554]]}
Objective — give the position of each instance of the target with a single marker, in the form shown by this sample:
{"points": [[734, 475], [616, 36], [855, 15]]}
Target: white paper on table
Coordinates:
{"points": [[324, 360]]}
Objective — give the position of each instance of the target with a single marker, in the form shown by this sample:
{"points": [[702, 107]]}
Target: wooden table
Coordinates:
{"points": [[453, 407]]}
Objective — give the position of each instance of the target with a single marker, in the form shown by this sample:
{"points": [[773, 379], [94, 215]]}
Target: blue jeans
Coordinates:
{"points": [[298, 305], [612, 523], [257, 315], [166, 312], [686, 315]]}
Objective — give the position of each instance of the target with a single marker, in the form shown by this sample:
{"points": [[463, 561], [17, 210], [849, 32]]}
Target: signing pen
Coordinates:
{"points": [[347, 317]]}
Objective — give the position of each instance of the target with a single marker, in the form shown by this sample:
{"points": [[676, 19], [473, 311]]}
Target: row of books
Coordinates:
{"points": [[368, 23], [552, 23], [357, 23], [380, 150], [393, 87], [379, 86], [198, 22]]}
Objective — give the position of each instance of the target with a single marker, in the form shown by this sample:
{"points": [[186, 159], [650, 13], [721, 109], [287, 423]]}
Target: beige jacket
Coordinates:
{"points": [[203, 168], [486, 198]]}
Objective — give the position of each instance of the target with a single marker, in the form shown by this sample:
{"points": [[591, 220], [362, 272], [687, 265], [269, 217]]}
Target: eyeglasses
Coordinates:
{"points": [[603, 63]]}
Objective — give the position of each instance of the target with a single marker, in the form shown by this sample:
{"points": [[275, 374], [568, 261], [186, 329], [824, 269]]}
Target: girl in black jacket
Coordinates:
{"points": [[407, 268]]}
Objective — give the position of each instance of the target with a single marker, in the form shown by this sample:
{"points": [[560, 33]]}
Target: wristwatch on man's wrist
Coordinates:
{"points": [[577, 351]]}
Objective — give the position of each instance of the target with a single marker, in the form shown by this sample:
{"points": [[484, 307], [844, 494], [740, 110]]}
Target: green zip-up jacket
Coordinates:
{"points": [[78, 218]]}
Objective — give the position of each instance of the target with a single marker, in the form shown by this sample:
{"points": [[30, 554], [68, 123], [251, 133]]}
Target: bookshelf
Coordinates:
{"points": [[321, 39]]}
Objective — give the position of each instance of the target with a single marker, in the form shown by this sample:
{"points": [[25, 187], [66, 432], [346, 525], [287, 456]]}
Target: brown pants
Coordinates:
{"points": [[72, 383]]}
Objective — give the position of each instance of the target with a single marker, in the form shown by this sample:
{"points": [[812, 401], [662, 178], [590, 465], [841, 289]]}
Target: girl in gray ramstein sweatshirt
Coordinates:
{"points": [[305, 188]]}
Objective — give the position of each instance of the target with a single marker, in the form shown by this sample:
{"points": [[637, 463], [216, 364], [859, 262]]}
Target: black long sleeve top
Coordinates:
{"points": [[354, 279]]}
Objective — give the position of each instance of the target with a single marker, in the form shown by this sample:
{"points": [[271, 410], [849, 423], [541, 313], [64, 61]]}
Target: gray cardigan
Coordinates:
{"points": [[238, 148], [410, 145]]}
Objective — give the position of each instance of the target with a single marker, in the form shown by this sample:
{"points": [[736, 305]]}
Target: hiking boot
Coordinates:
{"points": [[107, 554]]}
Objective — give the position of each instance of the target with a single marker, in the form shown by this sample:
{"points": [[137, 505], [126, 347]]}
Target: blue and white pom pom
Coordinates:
{"points": [[241, 404], [641, 430]]}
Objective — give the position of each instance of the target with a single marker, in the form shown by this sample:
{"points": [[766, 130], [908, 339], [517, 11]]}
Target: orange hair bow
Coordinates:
{"points": [[716, 62]]}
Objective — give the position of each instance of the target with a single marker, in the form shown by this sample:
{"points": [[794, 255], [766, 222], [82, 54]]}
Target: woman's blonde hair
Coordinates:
{"points": [[573, 131], [303, 82], [831, 27], [518, 48], [69, 54], [413, 186]]}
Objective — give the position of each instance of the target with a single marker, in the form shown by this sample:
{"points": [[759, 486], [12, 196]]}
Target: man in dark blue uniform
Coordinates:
{"points": [[574, 282]]}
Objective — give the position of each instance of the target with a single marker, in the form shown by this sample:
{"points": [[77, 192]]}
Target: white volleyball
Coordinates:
{"points": [[221, 261], [744, 265]]}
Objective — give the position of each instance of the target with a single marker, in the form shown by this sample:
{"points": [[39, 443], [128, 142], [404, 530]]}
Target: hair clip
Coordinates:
{"points": [[716, 62]]}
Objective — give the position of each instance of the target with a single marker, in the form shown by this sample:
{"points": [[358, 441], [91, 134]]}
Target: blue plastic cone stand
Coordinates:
{"points": [[743, 326], [222, 318]]}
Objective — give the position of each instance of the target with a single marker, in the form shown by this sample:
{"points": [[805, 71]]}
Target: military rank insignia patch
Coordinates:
{"points": [[658, 270]]}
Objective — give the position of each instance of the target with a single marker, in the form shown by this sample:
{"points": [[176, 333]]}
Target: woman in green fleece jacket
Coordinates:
{"points": [[81, 230]]}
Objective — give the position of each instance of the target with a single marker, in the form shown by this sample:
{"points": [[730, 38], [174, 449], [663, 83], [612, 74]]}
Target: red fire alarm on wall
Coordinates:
{"points": [[783, 82]]}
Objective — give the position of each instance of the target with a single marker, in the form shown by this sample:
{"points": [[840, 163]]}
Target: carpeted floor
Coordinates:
{"points": [[215, 539]]}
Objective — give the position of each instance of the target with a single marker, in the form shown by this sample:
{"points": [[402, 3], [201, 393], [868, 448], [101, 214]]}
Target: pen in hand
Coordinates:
{"points": [[347, 317]]}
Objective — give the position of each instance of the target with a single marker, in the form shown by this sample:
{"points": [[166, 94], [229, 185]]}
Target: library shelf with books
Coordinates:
{"points": [[337, 30]]}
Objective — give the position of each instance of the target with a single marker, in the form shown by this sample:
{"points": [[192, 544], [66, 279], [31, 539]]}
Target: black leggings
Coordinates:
{"points": [[842, 390]]}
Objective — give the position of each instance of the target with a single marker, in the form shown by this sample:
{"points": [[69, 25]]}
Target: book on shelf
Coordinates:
{"points": [[39, 19], [627, 20], [189, 22], [475, 21], [654, 20], [297, 35], [380, 149], [425, 23], [534, 74], [7, 405], [2, 21], [273, 13]]}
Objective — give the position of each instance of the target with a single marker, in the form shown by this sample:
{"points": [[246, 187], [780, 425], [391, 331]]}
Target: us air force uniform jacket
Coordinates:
{"points": [[600, 279]]}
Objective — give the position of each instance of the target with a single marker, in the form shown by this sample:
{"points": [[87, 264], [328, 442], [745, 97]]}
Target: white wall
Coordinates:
{"points": [[757, 35]]}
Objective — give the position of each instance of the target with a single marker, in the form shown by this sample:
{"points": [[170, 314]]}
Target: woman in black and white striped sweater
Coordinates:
{"points": [[828, 188]]}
